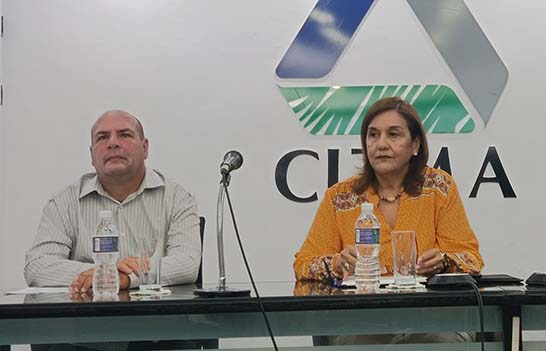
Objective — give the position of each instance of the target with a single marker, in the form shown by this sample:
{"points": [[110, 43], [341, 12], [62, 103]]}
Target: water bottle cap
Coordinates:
{"points": [[367, 207], [105, 214]]}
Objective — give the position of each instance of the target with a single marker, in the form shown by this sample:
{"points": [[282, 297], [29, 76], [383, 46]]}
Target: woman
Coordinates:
{"points": [[406, 194]]}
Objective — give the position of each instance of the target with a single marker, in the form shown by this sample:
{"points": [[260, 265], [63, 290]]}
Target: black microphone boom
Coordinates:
{"points": [[232, 161]]}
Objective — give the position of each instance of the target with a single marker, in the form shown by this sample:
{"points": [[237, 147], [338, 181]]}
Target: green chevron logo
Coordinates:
{"points": [[341, 110]]}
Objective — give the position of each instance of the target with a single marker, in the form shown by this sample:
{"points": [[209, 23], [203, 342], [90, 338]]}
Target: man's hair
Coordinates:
{"points": [[414, 179], [139, 128]]}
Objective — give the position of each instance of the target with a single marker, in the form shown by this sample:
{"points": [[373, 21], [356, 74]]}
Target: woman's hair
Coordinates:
{"points": [[414, 179]]}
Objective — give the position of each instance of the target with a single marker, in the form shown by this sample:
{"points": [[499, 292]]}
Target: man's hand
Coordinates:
{"points": [[128, 265], [84, 281], [84, 297], [124, 281]]}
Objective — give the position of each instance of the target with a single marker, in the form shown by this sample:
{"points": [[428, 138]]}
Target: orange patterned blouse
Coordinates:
{"points": [[437, 215]]}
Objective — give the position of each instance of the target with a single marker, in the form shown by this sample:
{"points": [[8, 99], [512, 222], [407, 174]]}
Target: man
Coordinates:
{"points": [[145, 206]]}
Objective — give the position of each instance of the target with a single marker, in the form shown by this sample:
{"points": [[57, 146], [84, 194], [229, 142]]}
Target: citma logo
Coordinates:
{"points": [[339, 110]]}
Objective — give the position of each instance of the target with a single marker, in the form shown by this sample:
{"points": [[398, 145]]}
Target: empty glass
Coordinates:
{"points": [[149, 265], [404, 256]]}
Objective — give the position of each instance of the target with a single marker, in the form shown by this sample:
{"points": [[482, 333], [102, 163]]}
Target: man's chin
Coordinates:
{"points": [[114, 171]]}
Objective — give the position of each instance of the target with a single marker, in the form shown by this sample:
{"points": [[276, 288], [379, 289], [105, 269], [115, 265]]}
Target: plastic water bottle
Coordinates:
{"points": [[105, 255], [367, 231]]}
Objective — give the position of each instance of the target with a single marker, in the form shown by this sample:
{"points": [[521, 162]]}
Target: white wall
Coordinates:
{"points": [[201, 76]]}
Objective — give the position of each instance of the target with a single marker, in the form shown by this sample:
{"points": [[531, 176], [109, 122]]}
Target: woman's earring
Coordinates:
{"points": [[415, 154]]}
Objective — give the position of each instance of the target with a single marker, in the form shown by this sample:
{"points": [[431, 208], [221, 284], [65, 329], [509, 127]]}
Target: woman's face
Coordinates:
{"points": [[389, 144]]}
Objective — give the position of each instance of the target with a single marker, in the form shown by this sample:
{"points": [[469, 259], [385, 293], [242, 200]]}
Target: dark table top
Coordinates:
{"points": [[276, 296]]}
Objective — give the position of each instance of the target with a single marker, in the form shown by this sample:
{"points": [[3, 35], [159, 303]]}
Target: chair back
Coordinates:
{"points": [[199, 281]]}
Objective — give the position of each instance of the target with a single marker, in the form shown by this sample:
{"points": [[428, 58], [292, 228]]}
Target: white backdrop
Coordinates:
{"points": [[200, 74]]}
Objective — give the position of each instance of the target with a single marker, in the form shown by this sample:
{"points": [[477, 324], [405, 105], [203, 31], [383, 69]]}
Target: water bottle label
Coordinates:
{"points": [[367, 235], [105, 244]]}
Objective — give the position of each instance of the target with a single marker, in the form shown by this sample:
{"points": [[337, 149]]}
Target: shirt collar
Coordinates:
{"points": [[90, 183]]}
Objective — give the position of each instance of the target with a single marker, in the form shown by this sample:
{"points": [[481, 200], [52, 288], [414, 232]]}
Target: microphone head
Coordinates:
{"points": [[232, 161]]}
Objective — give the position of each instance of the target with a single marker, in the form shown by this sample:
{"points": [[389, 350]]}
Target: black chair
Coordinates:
{"points": [[199, 281]]}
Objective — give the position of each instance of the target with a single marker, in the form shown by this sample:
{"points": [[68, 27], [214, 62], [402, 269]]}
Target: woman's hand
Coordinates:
{"points": [[430, 263], [346, 261]]}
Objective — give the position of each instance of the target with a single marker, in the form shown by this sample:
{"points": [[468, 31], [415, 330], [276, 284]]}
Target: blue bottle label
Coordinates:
{"points": [[367, 235], [105, 244]]}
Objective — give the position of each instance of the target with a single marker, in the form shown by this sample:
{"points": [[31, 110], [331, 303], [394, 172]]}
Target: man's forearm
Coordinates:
{"points": [[53, 271], [179, 269]]}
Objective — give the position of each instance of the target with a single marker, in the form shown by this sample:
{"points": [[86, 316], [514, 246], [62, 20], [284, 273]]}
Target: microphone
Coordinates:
{"points": [[232, 161]]}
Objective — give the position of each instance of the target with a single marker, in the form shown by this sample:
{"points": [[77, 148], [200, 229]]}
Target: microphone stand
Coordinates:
{"points": [[221, 290]]}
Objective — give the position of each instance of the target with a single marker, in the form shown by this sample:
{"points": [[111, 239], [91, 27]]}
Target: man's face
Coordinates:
{"points": [[117, 149]]}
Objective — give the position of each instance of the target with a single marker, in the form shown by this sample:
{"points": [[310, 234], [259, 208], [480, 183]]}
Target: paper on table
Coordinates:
{"points": [[350, 281], [39, 290]]}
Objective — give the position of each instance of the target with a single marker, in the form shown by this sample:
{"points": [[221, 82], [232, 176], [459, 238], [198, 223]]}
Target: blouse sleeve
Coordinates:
{"points": [[317, 257], [455, 237]]}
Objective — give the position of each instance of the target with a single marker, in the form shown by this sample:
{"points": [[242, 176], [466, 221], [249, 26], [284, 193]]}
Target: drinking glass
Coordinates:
{"points": [[149, 265], [404, 255]]}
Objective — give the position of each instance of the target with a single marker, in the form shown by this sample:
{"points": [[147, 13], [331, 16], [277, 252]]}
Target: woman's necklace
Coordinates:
{"points": [[391, 199]]}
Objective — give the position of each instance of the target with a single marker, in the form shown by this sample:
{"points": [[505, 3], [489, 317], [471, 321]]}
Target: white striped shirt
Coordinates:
{"points": [[160, 207]]}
